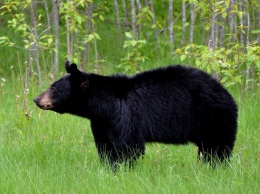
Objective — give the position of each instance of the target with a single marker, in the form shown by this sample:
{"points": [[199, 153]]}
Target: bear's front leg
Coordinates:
{"points": [[117, 144], [115, 153], [128, 146], [103, 143]]}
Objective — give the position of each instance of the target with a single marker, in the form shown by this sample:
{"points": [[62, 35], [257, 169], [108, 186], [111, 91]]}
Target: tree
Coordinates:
{"points": [[117, 15], [170, 23], [192, 21], [184, 22], [55, 13], [34, 39]]}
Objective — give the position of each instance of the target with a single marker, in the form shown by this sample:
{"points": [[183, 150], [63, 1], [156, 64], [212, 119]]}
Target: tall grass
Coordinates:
{"points": [[51, 153], [45, 152]]}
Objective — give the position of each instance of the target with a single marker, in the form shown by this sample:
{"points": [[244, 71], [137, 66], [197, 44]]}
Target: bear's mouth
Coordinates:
{"points": [[46, 106]]}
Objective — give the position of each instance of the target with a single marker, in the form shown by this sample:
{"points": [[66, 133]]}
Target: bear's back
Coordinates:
{"points": [[177, 73]]}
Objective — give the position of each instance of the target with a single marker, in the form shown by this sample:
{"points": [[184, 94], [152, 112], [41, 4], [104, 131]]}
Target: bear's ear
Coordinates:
{"points": [[71, 68], [76, 76]]}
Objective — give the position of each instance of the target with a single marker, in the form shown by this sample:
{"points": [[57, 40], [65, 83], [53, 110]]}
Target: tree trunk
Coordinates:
{"points": [[184, 21], [55, 12], [96, 68], [222, 31], [117, 15], [213, 39], [241, 21], [89, 12], [247, 23], [139, 26], [126, 16], [258, 16], [96, 50], [48, 16], [231, 21], [133, 17], [34, 46], [150, 4], [170, 24], [48, 29], [253, 71], [68, 38], [192, 21]]}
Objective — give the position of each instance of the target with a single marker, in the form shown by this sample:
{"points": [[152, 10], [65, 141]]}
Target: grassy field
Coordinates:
{"points": [[45, 152], [52, 153]]}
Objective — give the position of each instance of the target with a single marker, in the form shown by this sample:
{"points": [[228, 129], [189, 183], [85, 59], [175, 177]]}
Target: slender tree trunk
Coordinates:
{"points": [[247, 24], [96, 68], [170, 23], [213, 39], [68, 38], [192, 21], [253, 71], [184, 21], [48, 29], [241, 21], [55, 12], [133, 17], [150, 4], [72, 41], [117, 15], [139, 26], [96, 50], [34, 47], [147, 3], [126, 16], [48, 16], [258, 21], [231, 21], [89, 12], [222, 31], [216, 29]]}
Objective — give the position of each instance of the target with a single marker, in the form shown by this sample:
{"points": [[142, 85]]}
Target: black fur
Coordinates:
{"points": [[174, 104]]}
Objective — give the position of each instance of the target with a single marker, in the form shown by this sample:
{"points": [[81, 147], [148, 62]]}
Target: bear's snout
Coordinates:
{"points": [[43, 101]]}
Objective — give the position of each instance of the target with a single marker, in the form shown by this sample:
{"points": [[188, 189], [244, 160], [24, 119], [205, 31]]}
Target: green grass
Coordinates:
{"points": [[52, 153]]}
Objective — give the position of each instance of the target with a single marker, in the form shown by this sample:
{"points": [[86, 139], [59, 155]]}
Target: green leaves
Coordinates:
{"points": [[131, 63], [226, 62], [91, 37], [256, 31], [183, 57]]}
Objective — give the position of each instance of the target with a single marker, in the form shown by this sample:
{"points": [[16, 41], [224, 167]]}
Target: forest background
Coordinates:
{"points": [[49, 151]]}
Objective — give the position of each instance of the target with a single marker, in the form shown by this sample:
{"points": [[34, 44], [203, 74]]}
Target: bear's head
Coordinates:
{"points": [[64, 95]]}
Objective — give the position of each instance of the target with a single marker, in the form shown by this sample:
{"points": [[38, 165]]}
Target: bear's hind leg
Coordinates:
{"points": [[213, 153]]}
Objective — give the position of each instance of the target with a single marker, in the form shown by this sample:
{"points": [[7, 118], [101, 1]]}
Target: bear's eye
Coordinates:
{"points": [[52, 88], [54, 92]]}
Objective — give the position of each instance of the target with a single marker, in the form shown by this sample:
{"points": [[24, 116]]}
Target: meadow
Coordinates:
{"points": [[44, 152]]}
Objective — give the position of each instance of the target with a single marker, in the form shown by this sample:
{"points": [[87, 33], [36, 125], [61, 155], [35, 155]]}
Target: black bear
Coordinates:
{"points": [[173, 105]]}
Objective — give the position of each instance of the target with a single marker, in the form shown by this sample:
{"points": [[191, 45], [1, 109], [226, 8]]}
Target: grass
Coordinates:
{"points": [[52, 153]]}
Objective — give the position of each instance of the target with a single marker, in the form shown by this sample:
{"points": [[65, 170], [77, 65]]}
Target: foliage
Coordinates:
{"points": [[17, 21], [131, 63]]}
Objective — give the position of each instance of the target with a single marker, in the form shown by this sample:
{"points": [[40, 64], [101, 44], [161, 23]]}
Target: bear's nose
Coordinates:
{"points": [[35, 100]]}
